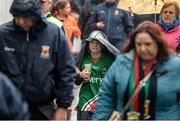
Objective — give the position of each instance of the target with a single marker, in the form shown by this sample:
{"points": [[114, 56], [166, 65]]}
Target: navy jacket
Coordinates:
{"points": [[12, 106], [38, 62], [118, 23]]}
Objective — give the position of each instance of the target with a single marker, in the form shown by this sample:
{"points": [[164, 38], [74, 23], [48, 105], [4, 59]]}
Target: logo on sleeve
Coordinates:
{"points": [[8, 49], [104, 70], [45, 51], [116, 12]]}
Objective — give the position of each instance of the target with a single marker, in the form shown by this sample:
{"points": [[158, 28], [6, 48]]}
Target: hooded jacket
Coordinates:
{"points": [[38, 62], [109, 49], [89, 90]]}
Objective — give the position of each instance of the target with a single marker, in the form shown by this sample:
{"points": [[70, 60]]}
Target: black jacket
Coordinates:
{"points": [[39, 62], [12, 106], [87, 8]]}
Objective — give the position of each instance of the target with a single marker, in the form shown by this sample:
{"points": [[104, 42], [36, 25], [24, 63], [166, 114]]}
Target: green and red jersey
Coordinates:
{"points": [[89, 90]]}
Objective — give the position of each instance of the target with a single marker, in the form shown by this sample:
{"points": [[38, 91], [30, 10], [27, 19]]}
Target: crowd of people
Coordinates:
{"points": [[44, 76]]}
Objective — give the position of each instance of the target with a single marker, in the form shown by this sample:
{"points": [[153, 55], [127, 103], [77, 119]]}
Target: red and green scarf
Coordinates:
{"points": [[144, 101]]}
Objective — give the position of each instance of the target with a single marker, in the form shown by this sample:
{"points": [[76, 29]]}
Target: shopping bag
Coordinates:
{"points": [[72, 108], [76, 45]]}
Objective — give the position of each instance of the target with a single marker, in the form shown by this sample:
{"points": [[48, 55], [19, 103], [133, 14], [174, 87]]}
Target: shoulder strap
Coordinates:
{"points": [[137, 90]]}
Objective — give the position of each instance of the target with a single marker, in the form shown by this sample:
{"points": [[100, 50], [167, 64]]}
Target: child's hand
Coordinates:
{"points": [[85, 75], [100, 25]]}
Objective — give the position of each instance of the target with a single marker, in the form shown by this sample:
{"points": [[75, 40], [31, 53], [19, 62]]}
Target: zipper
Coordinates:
{"points": [[27, 52], [27, 37], [108, 21], [25, 61]]}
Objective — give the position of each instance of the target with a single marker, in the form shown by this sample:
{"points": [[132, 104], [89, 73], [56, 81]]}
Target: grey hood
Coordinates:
{"points": [[101, 37], [109, 49]]}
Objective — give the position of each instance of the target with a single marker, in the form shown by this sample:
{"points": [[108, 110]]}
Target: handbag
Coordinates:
{"points": [[76, 45], [117, 116]]}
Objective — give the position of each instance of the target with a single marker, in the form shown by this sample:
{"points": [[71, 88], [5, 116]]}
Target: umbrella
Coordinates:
{"points": [[143, 6]]}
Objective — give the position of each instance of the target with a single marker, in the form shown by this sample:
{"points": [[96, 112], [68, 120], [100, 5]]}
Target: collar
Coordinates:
{"points": [[170, 27], [130, 54], [48, 14]]}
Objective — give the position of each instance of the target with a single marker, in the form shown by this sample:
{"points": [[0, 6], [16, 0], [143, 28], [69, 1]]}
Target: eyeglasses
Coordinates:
{"points": [[166, 12]]}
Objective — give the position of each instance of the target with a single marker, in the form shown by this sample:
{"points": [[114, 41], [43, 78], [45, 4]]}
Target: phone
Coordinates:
{"points": [[87, 67]]}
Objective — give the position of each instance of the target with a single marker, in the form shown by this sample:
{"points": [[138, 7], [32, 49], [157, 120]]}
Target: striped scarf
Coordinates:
{"points": [[144, 101]]}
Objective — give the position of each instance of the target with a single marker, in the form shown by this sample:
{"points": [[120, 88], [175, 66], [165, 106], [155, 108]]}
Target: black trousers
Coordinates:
{"points": [[84, 115], [35, 114]]}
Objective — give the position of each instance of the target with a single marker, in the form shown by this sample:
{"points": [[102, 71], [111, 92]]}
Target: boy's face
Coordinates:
{"points": [[95, 46]]}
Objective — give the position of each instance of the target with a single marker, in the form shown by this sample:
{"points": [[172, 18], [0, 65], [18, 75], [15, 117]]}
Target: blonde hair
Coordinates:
{"points": [[175, 4]]}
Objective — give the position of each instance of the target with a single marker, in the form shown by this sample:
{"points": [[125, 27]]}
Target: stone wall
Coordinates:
{"points": [[5, 16]]}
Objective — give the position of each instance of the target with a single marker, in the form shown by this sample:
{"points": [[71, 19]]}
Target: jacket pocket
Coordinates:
{"points": [[41, 86]]}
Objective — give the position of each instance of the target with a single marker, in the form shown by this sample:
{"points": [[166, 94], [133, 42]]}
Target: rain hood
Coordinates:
{"points": [[101, 37], [30, 9]]}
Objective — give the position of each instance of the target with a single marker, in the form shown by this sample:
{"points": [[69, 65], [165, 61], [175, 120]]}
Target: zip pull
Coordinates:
{"points": [[27, 37]]}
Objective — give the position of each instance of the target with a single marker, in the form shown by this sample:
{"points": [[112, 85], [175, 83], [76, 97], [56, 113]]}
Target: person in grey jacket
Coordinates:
{"points": [[159, 98], [35, 56], [12, 106], [114, 22]]}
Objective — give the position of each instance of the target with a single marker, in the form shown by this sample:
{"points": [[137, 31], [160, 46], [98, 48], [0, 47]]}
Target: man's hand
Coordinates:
{"points": [[100, 25], [60, 114]]}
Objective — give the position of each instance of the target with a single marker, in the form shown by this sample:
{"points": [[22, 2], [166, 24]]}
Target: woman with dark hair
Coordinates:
{"points": [[145, 53], [145, 27], [169, 24]]}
